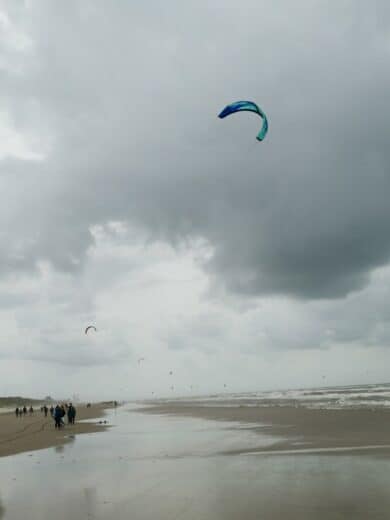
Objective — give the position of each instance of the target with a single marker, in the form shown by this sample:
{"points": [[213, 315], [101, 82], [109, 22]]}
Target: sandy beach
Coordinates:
{"points": [[295, 428], [37, 432], [178, 465]]}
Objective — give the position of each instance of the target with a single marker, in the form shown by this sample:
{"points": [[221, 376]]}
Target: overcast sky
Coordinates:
{"points": [[126, 202]]}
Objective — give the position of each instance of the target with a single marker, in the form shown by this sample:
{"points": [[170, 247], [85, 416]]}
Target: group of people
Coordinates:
{"points": [[19, 412], [57, 413]]}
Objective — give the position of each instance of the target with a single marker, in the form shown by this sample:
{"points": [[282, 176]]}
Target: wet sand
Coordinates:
{"points": [[296, 428], [159, 466], [36, 432]]}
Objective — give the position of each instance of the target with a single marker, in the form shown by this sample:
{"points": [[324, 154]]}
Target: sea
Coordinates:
{"points": [[369, 396]]}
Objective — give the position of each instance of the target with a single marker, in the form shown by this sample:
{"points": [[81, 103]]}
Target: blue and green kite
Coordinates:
{"points": [[247, 106]]}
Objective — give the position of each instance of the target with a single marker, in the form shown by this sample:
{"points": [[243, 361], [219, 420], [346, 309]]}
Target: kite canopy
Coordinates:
{"points": [[90, 327], [247, 106]]}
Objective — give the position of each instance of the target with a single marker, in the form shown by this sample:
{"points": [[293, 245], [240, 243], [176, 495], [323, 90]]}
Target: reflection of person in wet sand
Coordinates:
{"points": [[2, 509]]}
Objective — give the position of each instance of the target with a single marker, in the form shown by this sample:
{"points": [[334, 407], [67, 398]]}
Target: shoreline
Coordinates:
{"points": [[295, 430], [37, 432]]}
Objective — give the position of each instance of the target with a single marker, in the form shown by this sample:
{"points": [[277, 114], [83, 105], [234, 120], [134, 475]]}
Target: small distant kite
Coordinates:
{"points": [[247, 106], [90, 327], [170, 373]]}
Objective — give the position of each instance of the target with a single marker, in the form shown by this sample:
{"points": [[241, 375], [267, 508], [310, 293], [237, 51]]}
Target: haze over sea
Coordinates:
{"points": [[371, 396]]}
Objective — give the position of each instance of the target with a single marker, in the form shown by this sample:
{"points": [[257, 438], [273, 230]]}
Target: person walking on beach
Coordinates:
{"points": [[24, 410], [17, 412], [57, 416], [52, 411], [31, 410], [63, 413], [71, 414], [45, 410]]}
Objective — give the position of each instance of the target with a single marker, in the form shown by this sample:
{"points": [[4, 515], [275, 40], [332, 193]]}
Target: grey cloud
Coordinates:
{"points": [[129, 97], [202, 332]]}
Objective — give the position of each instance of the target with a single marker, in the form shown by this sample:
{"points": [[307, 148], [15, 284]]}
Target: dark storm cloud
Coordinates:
{"points": [[126, 100]]}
